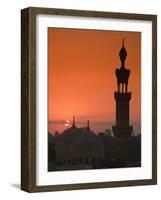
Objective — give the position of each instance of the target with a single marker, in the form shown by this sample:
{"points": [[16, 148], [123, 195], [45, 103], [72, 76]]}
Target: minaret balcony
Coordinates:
{"points": [[125, 96]]}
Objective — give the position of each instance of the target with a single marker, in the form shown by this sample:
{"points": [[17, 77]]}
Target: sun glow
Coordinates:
{"points": [[67, 123]]}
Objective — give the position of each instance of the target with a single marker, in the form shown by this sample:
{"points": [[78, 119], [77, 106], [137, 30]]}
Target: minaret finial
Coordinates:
{"points": [[123, 41], [74, 122], [88, 125]]}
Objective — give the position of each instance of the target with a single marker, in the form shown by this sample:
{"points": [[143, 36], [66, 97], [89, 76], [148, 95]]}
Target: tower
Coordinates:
{"points": [[88, 128], [73, 124], [122, 128]]}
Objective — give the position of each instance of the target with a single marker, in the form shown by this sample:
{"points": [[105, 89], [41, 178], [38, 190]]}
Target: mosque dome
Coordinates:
{"points": [[78, 145]]}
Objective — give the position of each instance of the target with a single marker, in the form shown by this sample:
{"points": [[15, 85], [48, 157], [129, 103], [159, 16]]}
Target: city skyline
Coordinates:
{"points": [[96, 126]]}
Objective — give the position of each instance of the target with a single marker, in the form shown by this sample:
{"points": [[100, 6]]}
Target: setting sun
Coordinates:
{"points": [[66, 124]]}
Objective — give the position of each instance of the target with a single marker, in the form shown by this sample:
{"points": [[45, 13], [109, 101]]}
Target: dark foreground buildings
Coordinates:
{"points": [[80, 148]]}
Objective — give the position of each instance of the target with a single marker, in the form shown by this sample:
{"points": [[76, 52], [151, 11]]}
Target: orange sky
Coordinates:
{"points": [[81, 74]]}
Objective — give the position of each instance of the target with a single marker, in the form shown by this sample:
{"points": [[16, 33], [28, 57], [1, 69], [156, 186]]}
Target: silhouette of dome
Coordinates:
{"points": [[78, 144]]}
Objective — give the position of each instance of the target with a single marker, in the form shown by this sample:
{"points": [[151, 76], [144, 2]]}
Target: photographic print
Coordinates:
{"points": [[94, 99], [88, 99]]}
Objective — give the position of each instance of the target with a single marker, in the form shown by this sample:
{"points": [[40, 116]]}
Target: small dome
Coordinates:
{"points": [[123, 52]]}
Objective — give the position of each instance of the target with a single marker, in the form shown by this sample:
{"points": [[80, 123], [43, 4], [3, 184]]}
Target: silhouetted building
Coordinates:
{"points": [[108, 132], [51, 152], [78, 148]]}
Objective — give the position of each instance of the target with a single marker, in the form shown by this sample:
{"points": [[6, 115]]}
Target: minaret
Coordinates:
{"points": [[122, 96], [73, 125], [88, 128]]}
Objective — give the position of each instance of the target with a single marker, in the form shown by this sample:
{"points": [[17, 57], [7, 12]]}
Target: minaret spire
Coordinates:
{"points": [[74, 126], [88, 128], [123, 40]]}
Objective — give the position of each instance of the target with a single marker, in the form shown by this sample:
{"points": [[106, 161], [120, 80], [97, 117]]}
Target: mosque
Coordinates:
{"points": [[78, 147]]}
